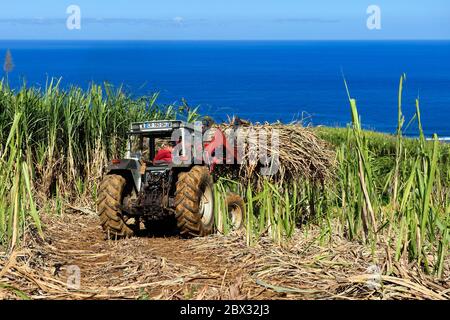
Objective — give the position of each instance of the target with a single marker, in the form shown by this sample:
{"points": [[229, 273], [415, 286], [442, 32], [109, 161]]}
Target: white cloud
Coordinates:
{"points": [[178, 20]]}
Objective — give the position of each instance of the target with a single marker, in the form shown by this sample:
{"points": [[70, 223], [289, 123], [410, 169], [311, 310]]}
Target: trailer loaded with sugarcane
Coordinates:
{"points": [[170, 168]]}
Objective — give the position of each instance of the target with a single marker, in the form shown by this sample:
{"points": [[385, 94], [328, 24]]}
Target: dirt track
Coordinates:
{"points": [[215, 267], [142, 267]]}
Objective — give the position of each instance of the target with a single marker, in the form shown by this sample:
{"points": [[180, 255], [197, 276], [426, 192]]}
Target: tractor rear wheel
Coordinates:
{"points": [[236, 210], [113, 221], [194, 202]]}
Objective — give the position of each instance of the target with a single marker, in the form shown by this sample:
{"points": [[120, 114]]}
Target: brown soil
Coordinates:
{"points": [[213, 267]]}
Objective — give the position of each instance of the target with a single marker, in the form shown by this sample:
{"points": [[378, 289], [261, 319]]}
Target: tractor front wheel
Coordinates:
{"points": [[194, 202]]}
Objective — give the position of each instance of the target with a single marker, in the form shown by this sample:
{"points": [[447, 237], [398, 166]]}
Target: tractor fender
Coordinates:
{"points": [[130, 169]]}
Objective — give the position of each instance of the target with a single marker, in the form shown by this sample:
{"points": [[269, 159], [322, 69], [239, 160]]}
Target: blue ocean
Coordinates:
{"points": [[258, 80]]}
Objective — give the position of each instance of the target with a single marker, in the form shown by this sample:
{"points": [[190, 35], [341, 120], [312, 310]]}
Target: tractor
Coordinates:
{"points": [[164, 175]]}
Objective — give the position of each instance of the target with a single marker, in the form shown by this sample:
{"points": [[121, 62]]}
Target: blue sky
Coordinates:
{"points": [[225, 19]]}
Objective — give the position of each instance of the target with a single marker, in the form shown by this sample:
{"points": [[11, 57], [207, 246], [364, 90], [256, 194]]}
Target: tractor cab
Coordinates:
{"points": [[152, 142]]}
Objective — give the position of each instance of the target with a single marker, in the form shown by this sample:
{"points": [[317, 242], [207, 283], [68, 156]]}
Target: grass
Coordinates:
{"points": [[16, 198], [387, 190]]}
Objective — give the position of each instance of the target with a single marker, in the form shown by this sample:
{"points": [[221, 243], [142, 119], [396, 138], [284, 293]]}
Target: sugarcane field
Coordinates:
{"points": [[219, 159], [314, 219]]}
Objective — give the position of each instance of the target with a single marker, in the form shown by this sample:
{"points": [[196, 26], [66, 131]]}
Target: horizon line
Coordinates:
{"points": [[224, 40]]}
